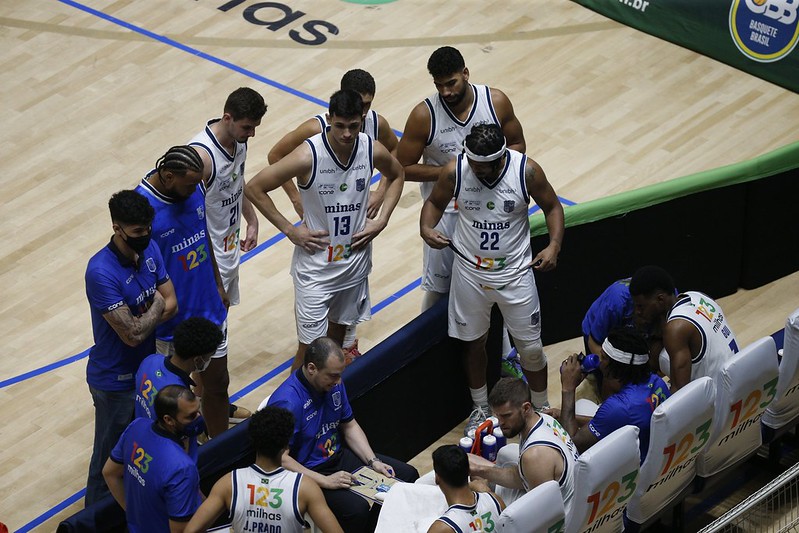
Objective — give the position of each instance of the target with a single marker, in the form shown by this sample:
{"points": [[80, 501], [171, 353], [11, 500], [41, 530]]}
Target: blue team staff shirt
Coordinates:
{"points": [[632, 405], [614, 308], [112, 280], [317, 417], [161, 481], [155, 373], [179, 230]]}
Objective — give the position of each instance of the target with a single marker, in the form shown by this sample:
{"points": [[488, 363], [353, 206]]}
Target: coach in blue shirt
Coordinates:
{"points": [[328, 444], [635, 391], [129, 293], [149, 473]]}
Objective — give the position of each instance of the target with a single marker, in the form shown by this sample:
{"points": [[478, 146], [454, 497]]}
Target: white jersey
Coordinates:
{"points": [[493, 230], [549, 432], [718, 340], [368, 126], [224, 194], [266, 501], [445, 139], [335, 200], [482, 515]]}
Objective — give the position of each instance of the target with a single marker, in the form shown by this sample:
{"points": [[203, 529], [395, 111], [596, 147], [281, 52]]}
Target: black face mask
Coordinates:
{"points": [[137, 244]]}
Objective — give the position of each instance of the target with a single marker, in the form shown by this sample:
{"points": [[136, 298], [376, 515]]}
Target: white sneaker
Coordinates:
{"points": [[477, 417]]}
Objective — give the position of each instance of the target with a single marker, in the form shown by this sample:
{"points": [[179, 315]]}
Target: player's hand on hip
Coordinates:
{"points": [[311, 240], [434, 238], [370, 230]]}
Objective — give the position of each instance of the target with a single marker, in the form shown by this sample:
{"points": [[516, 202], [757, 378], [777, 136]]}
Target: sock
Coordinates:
{"points": [[349, 337], [506, 347], [480, 396], [539, 398]]}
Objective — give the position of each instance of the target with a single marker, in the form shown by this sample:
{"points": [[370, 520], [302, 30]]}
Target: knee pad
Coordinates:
{"points": [[531, 355]]}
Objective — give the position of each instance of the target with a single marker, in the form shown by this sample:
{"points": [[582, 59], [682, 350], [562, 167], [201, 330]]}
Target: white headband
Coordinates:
{"points": [[484, 158], [624, 357]]}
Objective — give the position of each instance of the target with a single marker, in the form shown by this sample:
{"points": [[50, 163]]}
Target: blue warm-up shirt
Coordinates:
{"points": [[316, 418]]}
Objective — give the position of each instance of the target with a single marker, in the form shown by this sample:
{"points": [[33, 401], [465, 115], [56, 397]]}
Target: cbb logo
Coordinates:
{"points": [[764, 30]]}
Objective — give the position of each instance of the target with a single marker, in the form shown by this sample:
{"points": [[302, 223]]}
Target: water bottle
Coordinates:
{"points": [[501, 439], [489, 448], [465, 444], [588, 363]]}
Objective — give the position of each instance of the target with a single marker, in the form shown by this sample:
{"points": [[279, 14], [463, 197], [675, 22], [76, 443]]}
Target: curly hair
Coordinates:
{"points": [[485, 139], [630, 341], [130, 207], [196, 336], [445, 61], [650, 279], [270, 430], [359, 81]]}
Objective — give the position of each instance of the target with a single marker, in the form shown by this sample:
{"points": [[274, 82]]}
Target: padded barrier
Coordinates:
{"points": [[679, 430], [604, 480], [747, 385], [541, 509], [785, 407]]}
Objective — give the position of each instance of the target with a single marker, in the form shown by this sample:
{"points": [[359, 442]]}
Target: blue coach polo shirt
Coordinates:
{"points": [[614, 308], [155, 373], [632, 405], [179, 230], [161, 481], [112, 280], [316, 418]]}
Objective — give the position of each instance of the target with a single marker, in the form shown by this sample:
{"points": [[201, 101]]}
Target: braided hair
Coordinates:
{"points": [[179, 160]]}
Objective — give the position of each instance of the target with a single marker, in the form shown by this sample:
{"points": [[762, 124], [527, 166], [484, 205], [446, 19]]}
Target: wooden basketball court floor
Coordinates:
{"points": [[94, 92]]}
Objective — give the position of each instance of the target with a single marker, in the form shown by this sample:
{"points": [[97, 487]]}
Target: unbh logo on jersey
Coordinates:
{"points": [[764, 30]]}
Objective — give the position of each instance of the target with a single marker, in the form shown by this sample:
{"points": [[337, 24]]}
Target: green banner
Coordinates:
{"points": [[756, 36], [775, 162]]}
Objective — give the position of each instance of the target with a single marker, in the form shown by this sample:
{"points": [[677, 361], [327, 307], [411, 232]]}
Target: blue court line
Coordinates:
{"points": [[52, 512], [244, 258], [44, 369], [233, 397], [195, 52]]}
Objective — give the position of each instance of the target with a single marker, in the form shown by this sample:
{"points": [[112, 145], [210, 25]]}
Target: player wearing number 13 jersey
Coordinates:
{"points": [[333, 256], [493, 186]]}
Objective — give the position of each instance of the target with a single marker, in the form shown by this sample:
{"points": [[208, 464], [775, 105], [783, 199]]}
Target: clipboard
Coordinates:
{"points": [[369, 483]]}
